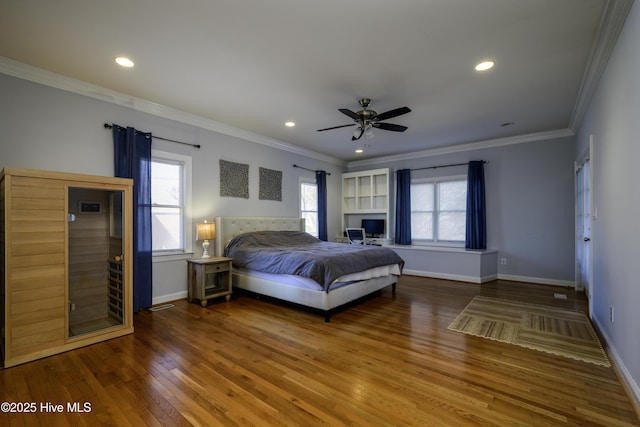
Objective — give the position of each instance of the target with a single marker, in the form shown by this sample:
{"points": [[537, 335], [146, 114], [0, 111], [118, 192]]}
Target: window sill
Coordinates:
{"points": [[182, 256]]}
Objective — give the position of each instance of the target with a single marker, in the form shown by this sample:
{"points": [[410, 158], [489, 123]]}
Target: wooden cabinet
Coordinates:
{"points": [[62, 235], [367, 195], [209, 278]]}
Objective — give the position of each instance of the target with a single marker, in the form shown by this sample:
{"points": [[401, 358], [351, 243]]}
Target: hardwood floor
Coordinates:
{"points": [[388, 360]]}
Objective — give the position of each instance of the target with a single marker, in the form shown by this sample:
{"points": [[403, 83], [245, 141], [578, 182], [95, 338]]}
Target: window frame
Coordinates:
{"points": [[312, 182], [436, 241], [186, 219]]}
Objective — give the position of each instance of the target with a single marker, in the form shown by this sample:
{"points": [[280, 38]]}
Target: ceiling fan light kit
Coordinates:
{"points": [[367, 119]]}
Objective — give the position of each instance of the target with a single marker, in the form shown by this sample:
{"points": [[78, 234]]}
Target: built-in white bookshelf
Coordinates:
{"points": [[366, 194]]}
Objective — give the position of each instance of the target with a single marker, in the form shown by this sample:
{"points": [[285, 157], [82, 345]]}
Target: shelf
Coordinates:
{"points": [[366, 194]]}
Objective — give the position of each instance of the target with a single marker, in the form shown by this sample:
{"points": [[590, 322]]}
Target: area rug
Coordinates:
{"points": [[552, 330]]}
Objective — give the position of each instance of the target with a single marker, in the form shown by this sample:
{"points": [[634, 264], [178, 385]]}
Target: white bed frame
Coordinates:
{"points": [[229, 227]]}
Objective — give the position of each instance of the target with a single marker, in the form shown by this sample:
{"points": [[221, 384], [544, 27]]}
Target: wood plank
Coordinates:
{"points": [[40, 248], [37, 189], [33, 215], [37, 336], [44, 292], [46, 314], [50, 178], [31, 181], [17, 308], [91, 291], [36, 272], [82, 246], [37, 204], [39, 331], [29, 283], [29, 238], [82, 280], [89, 257], [37, 260], [20, 227]]}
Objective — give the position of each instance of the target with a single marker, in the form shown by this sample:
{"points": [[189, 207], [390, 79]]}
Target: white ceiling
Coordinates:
{"points": [[255, 64]]}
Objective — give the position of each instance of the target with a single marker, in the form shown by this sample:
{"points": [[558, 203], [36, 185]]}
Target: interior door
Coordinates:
{"points": [[583, 228]]}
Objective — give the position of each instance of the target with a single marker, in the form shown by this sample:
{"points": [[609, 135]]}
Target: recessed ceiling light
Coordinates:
{"points": [[290, 124], [124, 62], [359, 150], [485, 65]]}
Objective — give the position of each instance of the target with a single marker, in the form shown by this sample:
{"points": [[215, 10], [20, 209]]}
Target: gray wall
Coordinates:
{"points": [[530, 204], [51, 129], [613, 121]]}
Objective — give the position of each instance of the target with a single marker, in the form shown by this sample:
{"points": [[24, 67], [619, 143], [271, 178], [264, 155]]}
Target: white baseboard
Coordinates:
{"points": [[537, 280], [489, 278], [169, 297], [446, 276], [620, 366]]}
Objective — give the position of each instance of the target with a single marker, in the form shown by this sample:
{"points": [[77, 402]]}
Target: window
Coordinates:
{"points": [[170, 191], [438, 209], [309, 206]]}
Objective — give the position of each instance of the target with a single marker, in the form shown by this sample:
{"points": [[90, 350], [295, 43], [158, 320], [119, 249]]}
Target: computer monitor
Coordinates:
{"points": [[373, 227]]}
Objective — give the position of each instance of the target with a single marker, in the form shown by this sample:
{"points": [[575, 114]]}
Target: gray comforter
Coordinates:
{"points": [[299, 253]]}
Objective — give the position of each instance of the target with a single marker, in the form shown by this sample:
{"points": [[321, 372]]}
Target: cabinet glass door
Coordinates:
{"points": [[95, 255]]}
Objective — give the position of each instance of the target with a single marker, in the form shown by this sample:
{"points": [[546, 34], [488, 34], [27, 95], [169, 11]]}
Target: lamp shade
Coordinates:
{"points": [[206, 231]]}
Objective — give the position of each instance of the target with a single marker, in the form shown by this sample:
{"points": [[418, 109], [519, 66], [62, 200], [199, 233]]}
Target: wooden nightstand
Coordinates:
{"points": [[209, 278]]}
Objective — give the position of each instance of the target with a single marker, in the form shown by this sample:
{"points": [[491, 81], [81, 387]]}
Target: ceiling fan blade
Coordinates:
{"points": [[393, 113], [390, 126], [336, 127], [349, 113]]}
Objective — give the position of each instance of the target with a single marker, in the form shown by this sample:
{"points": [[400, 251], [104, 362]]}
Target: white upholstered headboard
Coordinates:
{"points": [[227, 227]]}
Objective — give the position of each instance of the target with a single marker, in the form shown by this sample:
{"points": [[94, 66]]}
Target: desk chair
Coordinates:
{"points": [[356, 236]]}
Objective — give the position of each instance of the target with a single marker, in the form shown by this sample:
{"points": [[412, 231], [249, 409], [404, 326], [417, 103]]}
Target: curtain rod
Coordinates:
{"points": [[310, 170], [445, 166], [108, 126]]}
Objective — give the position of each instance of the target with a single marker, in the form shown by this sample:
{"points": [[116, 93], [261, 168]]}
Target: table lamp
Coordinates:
{"points": [[206, 231]]}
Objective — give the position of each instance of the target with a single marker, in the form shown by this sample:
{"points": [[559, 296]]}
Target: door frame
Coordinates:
{"points": [[587, 155]]}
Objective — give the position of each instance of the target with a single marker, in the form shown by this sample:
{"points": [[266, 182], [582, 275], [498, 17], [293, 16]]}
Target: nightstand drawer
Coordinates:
{"points": [[217, 268]]}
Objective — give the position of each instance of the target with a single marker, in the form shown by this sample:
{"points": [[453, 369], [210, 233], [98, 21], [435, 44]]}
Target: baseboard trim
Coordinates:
{"points": [[489, 278], [629, 384], [169, 297], [537, 280], [446, 276]]}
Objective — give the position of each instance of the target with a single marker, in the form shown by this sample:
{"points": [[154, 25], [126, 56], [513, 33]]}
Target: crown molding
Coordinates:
{"points": [[58, 81], [479, 145], [611, 24]]}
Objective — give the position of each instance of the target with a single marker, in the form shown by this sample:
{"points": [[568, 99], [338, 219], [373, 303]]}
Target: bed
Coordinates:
{"points": [[325, 295]]}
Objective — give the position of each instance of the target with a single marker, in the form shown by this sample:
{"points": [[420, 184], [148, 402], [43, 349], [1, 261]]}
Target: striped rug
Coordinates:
{"points": [[552, 330]]}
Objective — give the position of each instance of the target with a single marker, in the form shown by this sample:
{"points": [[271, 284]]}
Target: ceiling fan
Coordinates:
{"points": [[367, 119]]}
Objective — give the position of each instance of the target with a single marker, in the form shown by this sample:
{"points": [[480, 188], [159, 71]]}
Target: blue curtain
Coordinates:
{"points": [[403, 207], [132, 159], [321, 181], [476, 231]]}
